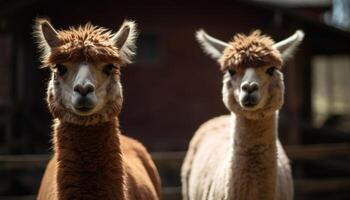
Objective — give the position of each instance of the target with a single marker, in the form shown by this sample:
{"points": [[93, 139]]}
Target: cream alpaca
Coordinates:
{"points": [[239, 157]]}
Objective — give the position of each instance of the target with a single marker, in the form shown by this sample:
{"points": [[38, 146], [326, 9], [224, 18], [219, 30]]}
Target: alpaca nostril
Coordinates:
{"points": [[78, 88], [250, 87], [84, 90], [254, 87], [89, 88], [245, 87]]}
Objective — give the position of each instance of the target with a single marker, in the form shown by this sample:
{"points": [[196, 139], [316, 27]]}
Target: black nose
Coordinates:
{"points": [[250, 87], [84, 90]]}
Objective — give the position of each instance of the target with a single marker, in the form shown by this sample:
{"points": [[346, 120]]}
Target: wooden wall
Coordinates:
{"points": [[167, 98]]}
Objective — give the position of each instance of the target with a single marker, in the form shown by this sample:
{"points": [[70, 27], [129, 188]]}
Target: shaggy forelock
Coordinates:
{"points": [[254, 50], [88, 43]]}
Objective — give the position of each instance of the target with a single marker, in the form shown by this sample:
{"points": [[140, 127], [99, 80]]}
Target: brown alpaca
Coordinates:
{"points": [[92, 159], [239, 157]]}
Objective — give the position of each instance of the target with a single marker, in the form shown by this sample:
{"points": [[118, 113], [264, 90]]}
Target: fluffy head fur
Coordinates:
{"points": [[254, 50], [86, 42]]}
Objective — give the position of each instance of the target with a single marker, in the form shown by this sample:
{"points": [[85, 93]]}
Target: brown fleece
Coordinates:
{"points": [[89, 161], [140, 170], [97, 162]]}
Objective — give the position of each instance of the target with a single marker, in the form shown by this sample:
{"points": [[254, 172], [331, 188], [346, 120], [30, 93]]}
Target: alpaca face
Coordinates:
{"points": [[86, 88], [85, 62], [253, 92], [253, 83]]}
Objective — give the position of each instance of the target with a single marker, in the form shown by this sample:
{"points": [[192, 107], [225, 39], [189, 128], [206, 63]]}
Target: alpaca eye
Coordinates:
{"points": [[107, 69], [270, 71], [232, 72], [61, 69]]}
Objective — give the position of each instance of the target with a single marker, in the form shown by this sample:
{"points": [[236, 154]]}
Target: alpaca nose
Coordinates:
{"points": [[250, 87], [85, 89]]}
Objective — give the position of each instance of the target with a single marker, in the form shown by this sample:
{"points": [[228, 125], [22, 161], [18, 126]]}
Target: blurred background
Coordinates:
{"points": [[173, 87]]}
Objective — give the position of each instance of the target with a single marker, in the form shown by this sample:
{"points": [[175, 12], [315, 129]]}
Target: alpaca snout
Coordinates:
{"points": [[249, 92]]}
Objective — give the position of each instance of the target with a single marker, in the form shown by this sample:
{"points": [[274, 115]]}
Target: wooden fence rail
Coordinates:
{"points": [[295, 152], [173, 160]]}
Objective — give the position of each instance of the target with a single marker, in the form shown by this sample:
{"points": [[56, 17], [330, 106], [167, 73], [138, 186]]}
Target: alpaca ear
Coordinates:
{"points": [[47, 36], [288, 46], [212, 46], [125, 40]]}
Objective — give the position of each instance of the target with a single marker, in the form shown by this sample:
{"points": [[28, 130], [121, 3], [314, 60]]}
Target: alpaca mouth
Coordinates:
{"points": [[250, 101], [83, 109], [249, 104], [83, 105]]}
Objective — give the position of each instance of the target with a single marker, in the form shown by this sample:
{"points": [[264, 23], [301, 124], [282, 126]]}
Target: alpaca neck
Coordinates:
{"points": [[254, 164], [89, 161]]}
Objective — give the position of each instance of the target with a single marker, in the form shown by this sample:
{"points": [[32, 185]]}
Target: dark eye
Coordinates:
{"points": [[61, 69], [232, 72], [107, 69], [270, 71]]}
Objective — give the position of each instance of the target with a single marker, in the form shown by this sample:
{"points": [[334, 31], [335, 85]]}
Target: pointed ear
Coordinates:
{"points": [[212, 46], [288, 46], [125, 40], [46, 35]]}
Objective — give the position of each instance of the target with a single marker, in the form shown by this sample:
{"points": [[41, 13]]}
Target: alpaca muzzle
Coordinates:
{"points": [[250, 100], [250, 95], [84, 104]]}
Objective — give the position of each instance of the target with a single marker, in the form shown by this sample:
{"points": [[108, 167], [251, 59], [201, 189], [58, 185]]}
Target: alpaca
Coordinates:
{"points": [[92, 159], [239, 156]]}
